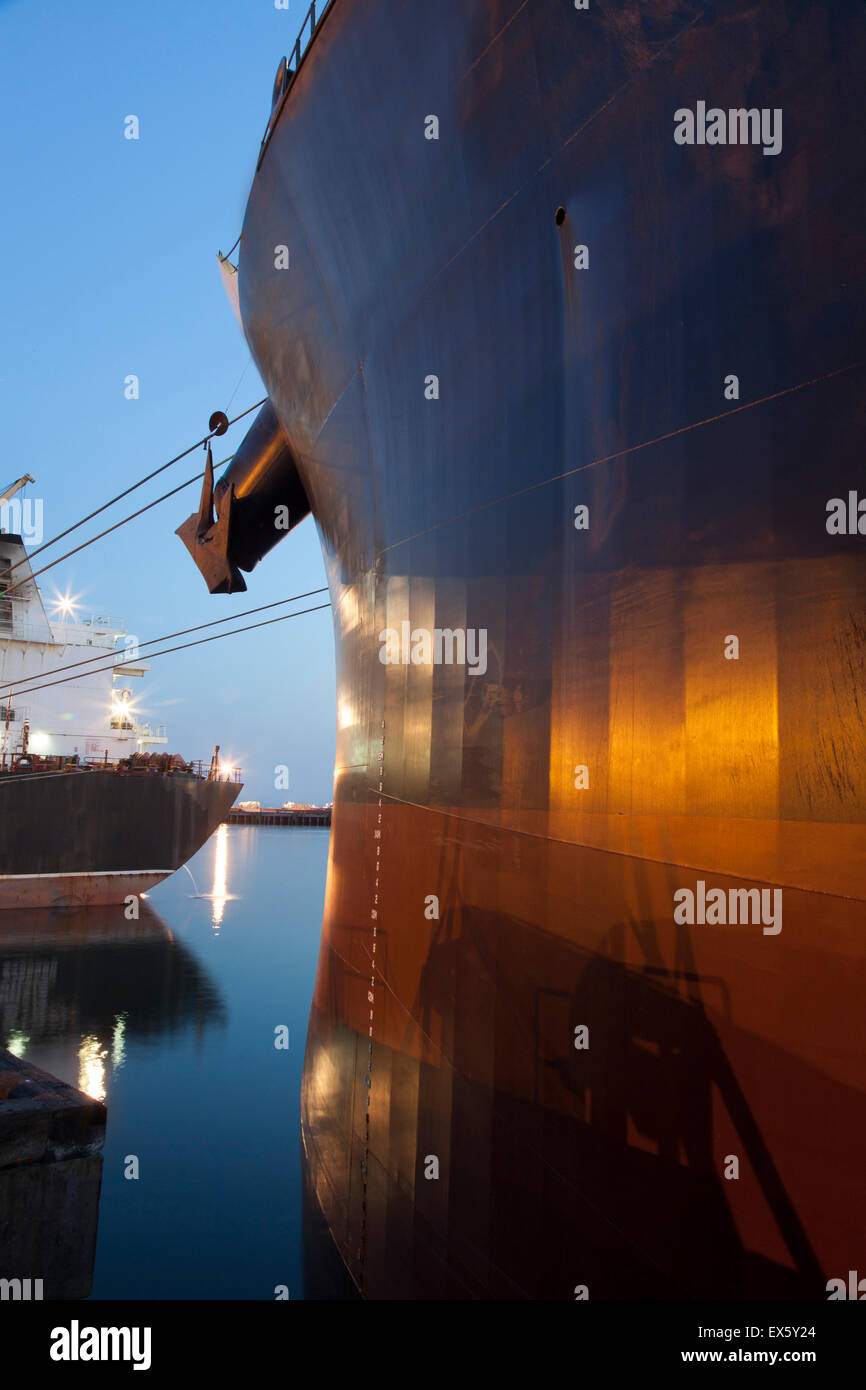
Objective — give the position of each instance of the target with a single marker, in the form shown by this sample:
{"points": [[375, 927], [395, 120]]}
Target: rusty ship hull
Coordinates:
{"points": [[526, 1076]]}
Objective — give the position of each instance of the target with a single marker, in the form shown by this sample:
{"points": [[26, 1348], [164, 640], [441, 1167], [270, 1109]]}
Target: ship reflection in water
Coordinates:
{"points": [[77, 985], [170, 1019]]}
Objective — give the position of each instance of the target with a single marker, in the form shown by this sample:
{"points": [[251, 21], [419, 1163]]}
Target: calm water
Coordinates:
{"points": [[171, 1019]]}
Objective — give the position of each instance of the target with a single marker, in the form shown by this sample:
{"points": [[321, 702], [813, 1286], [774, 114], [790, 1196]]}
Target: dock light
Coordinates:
{"points": [[123, 708], [65, 605]]}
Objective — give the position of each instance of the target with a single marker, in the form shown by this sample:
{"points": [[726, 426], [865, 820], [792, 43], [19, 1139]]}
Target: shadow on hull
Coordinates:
{"points": [[637, 1108]]}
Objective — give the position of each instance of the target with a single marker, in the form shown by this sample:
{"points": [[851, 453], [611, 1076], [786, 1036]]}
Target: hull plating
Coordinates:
{"points": [[611, 754], [95, 837]]}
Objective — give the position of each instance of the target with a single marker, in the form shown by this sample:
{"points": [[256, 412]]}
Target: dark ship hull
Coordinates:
{"points": [[619, 1103], [94, 837]]}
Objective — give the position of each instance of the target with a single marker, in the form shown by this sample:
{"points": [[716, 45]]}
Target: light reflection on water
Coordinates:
{"points": [[171, 1020], [91, 1068], [220, 875]]}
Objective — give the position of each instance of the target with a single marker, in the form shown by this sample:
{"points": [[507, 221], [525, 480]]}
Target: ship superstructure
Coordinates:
{"points": [[92, 808], [90, 713]]}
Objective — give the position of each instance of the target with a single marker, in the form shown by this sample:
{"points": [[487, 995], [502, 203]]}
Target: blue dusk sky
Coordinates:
{"points": [[109, 269]]}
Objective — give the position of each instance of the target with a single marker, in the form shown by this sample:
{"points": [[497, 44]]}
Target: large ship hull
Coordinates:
{"points": [[94, 837], [527, 1075]]}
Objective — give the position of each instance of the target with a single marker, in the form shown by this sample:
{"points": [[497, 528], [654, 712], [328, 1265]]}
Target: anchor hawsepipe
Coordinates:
{"points": [[259, 498]]}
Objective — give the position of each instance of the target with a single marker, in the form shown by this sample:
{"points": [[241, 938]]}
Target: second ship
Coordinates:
{"points": [[93, 808]]}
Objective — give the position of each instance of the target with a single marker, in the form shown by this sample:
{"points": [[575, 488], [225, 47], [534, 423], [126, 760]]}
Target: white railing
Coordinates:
{"points": [[101, 620], [146, 732]]}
